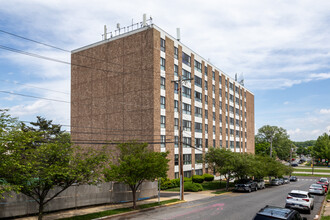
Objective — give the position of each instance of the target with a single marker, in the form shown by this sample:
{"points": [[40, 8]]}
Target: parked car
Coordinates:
{"points": [[293, 178], [246, 185], [294, 164], [323, 181], [272, 212], [286, 180], [275, 182], [316, 189], [281, 181], [324, 184], [260, 183], [298, 199]]}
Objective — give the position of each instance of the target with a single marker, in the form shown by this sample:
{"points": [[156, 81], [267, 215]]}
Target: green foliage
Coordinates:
{"points": [[208, 177], [175, 182], [166, 184], [275, 137], [187, 179], [135, 163], [197, 179], [192, 187], [34, 165], [322, 147]]}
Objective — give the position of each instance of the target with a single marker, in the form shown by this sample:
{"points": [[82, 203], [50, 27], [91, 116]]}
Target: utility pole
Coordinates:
{"points": [[179, 81]]}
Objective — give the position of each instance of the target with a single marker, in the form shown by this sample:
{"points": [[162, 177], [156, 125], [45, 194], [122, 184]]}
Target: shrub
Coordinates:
{"points": [[192, 187], [197, 179], [175, 182], [208, 177], [187, 179], [166, 184]]}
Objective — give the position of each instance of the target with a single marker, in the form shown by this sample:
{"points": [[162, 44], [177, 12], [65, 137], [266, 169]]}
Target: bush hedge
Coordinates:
{"points": [[208, 177], [197, 179], [192, 187]]}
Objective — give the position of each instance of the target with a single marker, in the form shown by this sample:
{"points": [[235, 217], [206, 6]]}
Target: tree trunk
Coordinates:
{"points": [[134, 197], [227, 183], [41, 210]]}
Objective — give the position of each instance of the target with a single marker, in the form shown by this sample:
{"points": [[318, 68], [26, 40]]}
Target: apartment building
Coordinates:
{"points": [[123, 88]]}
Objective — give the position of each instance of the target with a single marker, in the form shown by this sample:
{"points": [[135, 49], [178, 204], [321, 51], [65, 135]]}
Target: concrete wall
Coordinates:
{"points": [[76, 196]]}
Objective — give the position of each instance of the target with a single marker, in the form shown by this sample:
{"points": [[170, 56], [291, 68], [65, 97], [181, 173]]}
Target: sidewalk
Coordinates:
{"points": [[188, 196]]}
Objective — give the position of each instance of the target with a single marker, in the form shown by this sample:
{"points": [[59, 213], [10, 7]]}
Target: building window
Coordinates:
{"points": [[206, 114], [198, 142], [176, 141], [237, 133], [220, 78], [162, 44], [176, 70], [198, 159], [199, 171], [231, 109], [186, 92], [213, 130], [162, 141], [186, 125], [186, 109], [198, 127], [232, 132], [231, 97], [237, 100], [226, 144], [162, 121], [236, 89], [226, 131], [186, 74], [205, 70], [176, 123], [213, 116], [162, 82], [198, 112], [176, 87], [176, 52], [213, 143], [220, 92], [231, 86], [187, 173], [198, 66], [205, 85], [185, 59], [162, 63], [186, 158], [176, 175], [220, 118], [206, 99], [162, 102], [213, 75], [198, 81], [231, 144], [176, 160], [198, 96], [206, 128], [213, 102], [176, 106], [206, 143], [186, 142], [213, 88]]}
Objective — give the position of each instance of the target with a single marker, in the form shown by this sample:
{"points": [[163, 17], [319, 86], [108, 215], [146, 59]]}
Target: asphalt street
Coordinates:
{"points": [[232, 206]]}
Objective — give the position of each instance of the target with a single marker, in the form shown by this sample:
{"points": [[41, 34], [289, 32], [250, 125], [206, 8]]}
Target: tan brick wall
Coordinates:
{"points": [[250, 122], [113, 99]]}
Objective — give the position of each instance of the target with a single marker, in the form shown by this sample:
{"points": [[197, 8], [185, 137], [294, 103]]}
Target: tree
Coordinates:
{"points": [[134, 163], [56, 163], [222, 161], [278, 139], [322, 147]]}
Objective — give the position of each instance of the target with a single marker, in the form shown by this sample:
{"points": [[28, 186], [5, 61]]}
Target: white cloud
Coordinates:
{"points": [[325, 111]]}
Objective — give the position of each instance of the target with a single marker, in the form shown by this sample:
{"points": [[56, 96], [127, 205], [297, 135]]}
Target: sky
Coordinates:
{"points": [[281, 48]]}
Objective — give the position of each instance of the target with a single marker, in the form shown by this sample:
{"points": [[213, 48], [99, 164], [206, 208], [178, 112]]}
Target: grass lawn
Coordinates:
{"points": [[117, 211], [305, 174], [220, 192], [310, 170]]}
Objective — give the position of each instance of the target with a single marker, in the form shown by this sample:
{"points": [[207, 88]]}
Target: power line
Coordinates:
{"points": [[18, 83], [36, 97]]}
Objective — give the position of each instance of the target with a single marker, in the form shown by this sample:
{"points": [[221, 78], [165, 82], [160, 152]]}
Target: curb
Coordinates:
{"points": [[137, 211], [319, 216]]}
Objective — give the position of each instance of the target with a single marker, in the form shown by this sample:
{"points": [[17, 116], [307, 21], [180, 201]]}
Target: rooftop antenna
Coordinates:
{"points": [[118, 27], [144, 23], [178, 36], [105, 32], [235, 77]]}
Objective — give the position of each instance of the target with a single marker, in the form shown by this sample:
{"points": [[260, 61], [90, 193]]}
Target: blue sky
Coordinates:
{"points": [[281, 48]]}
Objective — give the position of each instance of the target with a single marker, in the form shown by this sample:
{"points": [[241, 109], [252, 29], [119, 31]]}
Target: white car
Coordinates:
{"points": [[298, 199], [316, 189]]}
